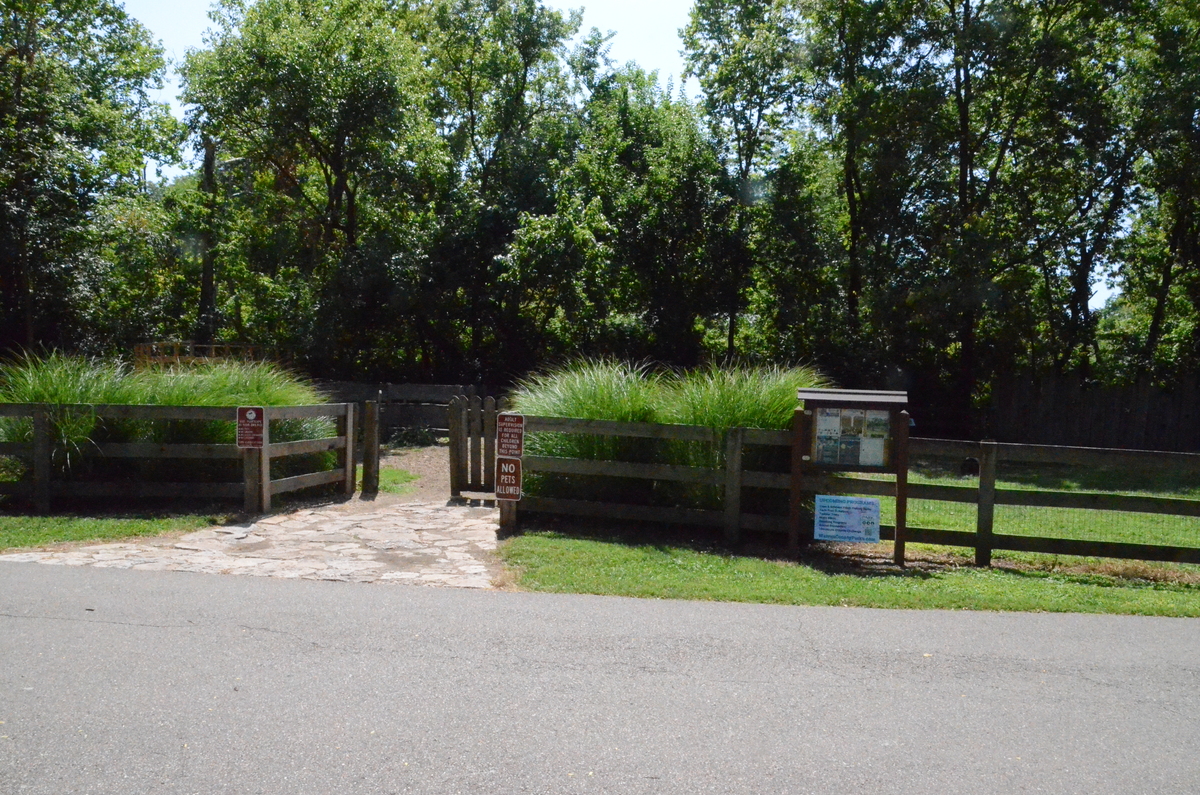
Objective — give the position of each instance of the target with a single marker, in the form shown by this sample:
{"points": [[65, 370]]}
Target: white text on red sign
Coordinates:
{"points": [[508, 478], [250, 426], [510, 435]]}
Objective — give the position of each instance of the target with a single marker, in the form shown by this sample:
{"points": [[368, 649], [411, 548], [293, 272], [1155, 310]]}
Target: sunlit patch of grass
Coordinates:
{"points": [[393, 480], [17, 531], [547, 561]]}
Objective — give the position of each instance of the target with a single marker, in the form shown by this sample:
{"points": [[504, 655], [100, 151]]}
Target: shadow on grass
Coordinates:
{"points": [[869, 561], [873, 561]]}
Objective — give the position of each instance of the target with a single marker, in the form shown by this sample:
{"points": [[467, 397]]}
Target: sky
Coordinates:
{"points": [[647, 30]]}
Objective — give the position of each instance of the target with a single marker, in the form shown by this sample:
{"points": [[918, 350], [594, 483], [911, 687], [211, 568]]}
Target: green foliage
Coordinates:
{"points": [[61, 380], [715, 397], [37, 531], [76, 127]]}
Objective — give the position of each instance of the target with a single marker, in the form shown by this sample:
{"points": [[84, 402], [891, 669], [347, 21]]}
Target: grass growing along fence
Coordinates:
{"points": [[713, 397], [548, 561], [60, 380]]}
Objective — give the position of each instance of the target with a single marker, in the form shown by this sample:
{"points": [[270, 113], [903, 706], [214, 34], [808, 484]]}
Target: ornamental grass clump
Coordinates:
{"points": [[714, 397], [77, 382], [591, 390]]}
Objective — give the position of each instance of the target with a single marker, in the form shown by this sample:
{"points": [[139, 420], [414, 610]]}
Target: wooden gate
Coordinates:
{"points": [[472, 423]]}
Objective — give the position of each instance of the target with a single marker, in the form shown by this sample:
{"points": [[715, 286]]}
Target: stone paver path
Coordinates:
{"points": [[422, 543]]}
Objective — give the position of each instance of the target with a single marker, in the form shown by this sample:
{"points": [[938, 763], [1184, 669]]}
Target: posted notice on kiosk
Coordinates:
{"points": [[847, 519]]}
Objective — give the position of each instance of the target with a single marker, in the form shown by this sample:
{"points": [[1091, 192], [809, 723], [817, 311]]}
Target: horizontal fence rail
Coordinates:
{"points": [[256, 487], [732, 478]]}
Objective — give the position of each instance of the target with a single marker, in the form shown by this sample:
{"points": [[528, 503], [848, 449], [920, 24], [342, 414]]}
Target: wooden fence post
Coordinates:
{"points": [[987, 503], [41, 460], [799, 526], [457, 462], [370, 484], [489, 444], [349, 469], [734, 439], [900, 438], [264, 465], [508, 517], [475, 436], [251, 472]]}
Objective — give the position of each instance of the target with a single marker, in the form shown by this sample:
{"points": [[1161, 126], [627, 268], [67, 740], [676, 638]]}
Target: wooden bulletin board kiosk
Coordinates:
{"points": [[847, 430]]}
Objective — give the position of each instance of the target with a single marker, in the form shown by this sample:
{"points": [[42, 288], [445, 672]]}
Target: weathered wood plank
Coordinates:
{"points": [[985, 514], [768, 437], [210, 413], [475, 437], [41, 461], [138, 489], [949, 448], [153, 450], [15, 448], [458, 446], [886, 488], [641, 513], [308, 412], [1099, 457], [251, 488], [16, 409], [489, 444], [764, 524], [734, 441], [641, 430], [623, 469], [370, 478], [1099, 502], [423, 393], [306, 481], [766, 480], [347, 427], [1097, 549], [280, 449], [925, 535], [22, 488]]}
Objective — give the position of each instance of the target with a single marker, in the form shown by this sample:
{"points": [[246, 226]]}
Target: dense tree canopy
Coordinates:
{"points": [[912, 193]]}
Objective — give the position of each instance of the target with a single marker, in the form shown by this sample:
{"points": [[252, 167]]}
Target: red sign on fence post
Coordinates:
{"points": [[510, 435], [510, 446], [250, 426], [508, 478]]}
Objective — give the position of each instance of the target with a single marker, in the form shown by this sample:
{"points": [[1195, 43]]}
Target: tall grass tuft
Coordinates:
{"points": [[60, 380], [714, 397], [736, 397]]}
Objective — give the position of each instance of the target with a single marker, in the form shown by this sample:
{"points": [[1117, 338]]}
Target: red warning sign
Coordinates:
{"points": [[250, 426], [508, 478], [510, 435]]}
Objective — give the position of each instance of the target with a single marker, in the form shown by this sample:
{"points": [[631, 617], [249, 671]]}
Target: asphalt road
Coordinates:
{"points": [[145, 682]]}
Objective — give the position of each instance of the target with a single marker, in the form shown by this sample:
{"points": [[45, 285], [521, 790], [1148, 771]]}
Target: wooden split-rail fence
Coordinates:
{"points": [[255, 488], [472, 454]]}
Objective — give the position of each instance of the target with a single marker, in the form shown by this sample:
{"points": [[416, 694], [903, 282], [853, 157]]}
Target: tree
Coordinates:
{"points": [[76, 125], [745, 55]]}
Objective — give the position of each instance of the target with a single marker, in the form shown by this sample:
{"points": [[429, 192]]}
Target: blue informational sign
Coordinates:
{"points": [[847, 519]]}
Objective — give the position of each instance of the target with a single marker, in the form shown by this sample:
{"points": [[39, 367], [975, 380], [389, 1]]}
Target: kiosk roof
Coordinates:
{"points": [[853, 396]]}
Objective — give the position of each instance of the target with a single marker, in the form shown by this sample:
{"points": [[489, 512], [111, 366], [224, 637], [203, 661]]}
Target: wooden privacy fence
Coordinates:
{"points": [[255, 488], [733, 479]]}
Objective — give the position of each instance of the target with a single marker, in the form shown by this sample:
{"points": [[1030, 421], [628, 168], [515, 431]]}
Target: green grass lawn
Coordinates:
{"points": [[392, 480], [550, 561], [17, 531]]}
